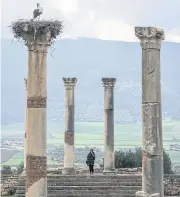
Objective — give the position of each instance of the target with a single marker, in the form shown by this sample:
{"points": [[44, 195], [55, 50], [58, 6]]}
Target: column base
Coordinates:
{"points": [[109, 172], [144, 194], [22, 178], [59, 170], [23, 173], [68, 171]]}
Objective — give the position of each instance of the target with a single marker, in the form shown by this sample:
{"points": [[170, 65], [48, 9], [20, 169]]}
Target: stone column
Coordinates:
{"points": [[109, 166], [36, 161], [37, 35], [69, 84], [25, 137], [152, 148]]}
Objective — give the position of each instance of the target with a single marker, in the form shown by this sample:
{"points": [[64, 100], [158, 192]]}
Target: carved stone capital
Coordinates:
{"points": [[70, 82], [38, 47], [150, 37], [108, 83], [25, 81]]}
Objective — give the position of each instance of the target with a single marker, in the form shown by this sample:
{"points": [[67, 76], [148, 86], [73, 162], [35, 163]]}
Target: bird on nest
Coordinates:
{"points": [[37, 12]]}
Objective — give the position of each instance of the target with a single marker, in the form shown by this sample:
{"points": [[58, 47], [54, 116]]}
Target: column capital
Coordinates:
{"points": [[108, 83], [25, 81], [38, 47], [36, 33], [150, 37], [69, 82]]}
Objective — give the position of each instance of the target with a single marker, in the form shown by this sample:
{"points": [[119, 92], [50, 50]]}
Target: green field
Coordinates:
{"points": [[17, 159], [91, 134]]}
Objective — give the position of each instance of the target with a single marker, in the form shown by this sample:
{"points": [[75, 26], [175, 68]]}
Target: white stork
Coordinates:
{"points": [[37, 12]]}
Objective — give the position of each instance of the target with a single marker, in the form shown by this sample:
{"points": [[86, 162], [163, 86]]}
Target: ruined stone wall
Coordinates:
{"points": [[8, 182], [172, 185]]}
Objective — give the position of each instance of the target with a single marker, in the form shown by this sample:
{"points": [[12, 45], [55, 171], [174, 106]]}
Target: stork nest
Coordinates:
{"points": [[31, 27]]}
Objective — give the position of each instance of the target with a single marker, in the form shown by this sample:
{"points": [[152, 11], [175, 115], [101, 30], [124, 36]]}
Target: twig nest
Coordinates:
{"points": [[29, 30]]}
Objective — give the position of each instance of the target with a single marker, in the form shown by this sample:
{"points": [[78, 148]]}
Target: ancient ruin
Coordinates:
{"points": [[37, 36], [109, 166], [26, 127], [152, 163], [69, 84]]}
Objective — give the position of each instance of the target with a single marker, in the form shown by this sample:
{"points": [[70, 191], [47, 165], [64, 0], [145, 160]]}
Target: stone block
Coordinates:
{"points": [[36, 169], [151, 87], [144, 194], [69, 137], [152, 129], [152, 175], [68, 171], [69, 118], [108, 99], [109, 172]]}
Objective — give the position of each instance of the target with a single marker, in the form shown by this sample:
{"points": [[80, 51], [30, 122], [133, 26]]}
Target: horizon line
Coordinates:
{"points": [[90, 38]]}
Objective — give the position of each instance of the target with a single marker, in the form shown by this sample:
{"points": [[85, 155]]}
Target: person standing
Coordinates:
{"points": [[90, 161]]}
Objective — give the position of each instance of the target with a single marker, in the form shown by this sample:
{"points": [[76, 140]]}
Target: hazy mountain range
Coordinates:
{"points": [[89, 60]]}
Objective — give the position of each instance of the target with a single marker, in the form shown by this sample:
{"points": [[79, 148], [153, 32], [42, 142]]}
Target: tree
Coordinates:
{"points": [[176, 169], [6, 170], [131, 159], [20, 167], [167, 163], [138, 157], [128, 159]]}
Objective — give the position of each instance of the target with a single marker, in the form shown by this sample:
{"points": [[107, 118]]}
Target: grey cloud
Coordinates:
{"points": [[147, 12], [162, 13]]}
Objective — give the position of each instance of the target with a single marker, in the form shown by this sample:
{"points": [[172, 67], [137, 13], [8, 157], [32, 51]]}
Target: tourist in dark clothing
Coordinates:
{"points": [[90, 161]]}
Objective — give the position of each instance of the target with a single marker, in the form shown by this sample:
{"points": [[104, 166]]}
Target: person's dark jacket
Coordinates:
{"points": [[90, 158]]}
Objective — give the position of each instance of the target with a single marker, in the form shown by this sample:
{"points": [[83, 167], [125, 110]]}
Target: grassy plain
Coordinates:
{"points": [[91, 134]]}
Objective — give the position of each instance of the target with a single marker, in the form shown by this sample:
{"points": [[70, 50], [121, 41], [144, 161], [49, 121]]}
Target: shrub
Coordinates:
{"points": [[130, 159]]}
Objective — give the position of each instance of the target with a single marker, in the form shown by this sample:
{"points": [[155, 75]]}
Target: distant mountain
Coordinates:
{"points": [[89, 60]]}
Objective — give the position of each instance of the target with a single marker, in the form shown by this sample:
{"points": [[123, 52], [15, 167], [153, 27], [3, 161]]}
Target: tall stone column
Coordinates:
{"points": [[26, 126], [69, 84], [152, 148], [109, 165], [37, 36], [36, 161]]}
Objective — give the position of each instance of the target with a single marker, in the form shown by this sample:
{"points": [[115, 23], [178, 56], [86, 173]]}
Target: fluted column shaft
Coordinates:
{"points": [[69, 84], [152, 148], [109, 166], [36, 161]]}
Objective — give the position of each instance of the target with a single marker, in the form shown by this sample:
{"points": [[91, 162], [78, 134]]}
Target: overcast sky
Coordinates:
{"points": [[103, 19]]}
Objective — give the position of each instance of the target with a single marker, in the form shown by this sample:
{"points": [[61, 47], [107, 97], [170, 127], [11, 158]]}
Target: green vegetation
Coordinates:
{"points": [[6, 170], [16, 159], [20, 168], [11, 191], [19, 158], [129, 159], [167, 163]]}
